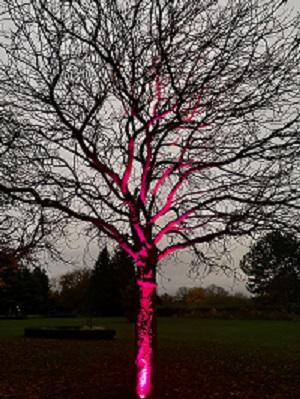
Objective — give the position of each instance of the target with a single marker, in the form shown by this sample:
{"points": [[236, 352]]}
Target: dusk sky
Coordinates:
{"points": [[174, 274]]}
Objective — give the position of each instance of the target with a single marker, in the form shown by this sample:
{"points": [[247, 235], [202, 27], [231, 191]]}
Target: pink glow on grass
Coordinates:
{"points": [[144, 359]]}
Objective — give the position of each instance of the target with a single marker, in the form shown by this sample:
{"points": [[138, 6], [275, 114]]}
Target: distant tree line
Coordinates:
{"points": [[106, 290], [272, 267], [210, 302], [22, 290]]}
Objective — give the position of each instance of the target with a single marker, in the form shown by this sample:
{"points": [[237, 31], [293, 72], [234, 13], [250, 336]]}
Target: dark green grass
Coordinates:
{"points": [[244, 334], [15, 328], [271, 335]]}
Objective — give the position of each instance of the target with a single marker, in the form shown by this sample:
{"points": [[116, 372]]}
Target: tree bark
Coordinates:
{"points": [[146, 336]]}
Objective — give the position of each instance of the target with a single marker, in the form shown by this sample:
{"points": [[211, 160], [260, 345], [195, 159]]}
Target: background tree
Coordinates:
{"points": [[167, 125], [216, 291], [8, 274], [273, 268], [71, 294], [30, 291], [28, 243], [196, 296], [181, 294], [104, 295], [108, 289], [167, 299], [124, 271], [29, 232], [23, 291]]}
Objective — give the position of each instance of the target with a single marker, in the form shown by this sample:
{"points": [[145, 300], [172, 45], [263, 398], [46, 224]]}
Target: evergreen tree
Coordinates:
{"points": [[125, 272], [72, 295], [273, 268], [103, 287], [9, 269], [22, 290], [40, 293]]}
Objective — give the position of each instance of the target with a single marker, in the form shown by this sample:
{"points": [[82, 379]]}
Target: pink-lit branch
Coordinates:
{"points": [[171, 226], [113, 233], [190, 117], [158, 88], [157, 116], [146, 170], [141, 235], [158, 91], [161, 180], [105, 169], [183, 245], [171, 195], [141, 255], [137, 226], [162, 115], [168, 171], [129, 165]]}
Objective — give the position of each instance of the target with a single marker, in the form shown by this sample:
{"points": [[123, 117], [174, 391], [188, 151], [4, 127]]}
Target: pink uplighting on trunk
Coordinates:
{"points": [[145, 336], [144, 214]]}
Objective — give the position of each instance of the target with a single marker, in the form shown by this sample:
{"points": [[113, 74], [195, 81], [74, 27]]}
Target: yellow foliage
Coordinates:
{"points": [[196, 296]]}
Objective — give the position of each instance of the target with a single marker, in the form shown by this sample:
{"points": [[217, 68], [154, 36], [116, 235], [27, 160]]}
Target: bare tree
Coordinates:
{"points": [[166, 125], [28, 234], [31, 236]]}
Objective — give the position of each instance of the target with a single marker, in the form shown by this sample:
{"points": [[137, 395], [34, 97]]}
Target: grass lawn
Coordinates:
{"points": [[196, 359]]}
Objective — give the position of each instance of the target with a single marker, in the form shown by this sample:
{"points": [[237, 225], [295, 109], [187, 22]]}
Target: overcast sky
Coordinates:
{"points": [[175, 274]]}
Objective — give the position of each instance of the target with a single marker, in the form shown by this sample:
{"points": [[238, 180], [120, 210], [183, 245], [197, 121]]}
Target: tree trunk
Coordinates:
{"points": [[145, 337]]}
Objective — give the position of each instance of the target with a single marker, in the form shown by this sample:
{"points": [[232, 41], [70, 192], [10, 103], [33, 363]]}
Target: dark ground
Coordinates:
{"points": [[197, 359]]}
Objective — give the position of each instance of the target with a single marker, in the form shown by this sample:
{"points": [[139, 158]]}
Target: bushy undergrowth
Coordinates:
{"points": [[224, 312], [216, 303]]}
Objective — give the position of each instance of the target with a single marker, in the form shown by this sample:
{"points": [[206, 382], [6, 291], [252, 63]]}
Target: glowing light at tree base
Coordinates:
{"points": [[145, 336]]}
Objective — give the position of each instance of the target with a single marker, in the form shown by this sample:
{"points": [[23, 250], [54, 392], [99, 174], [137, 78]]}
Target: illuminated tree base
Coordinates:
{"points": [[145, 339]]}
